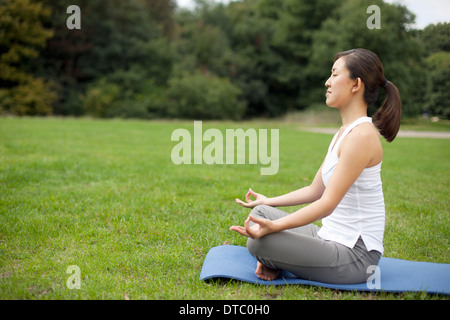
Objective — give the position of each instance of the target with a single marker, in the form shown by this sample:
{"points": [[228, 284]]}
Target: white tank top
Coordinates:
{"points": [[361, 212]]}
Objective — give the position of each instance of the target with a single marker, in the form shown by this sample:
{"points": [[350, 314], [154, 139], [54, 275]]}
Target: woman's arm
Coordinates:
{"points": [[304, 195], [355, 155], [301, 196]]}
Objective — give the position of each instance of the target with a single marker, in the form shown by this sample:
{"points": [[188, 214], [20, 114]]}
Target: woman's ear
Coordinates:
{"points": [[357, 85]]}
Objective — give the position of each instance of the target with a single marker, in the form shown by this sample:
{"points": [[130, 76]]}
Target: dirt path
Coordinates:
{"points": [[401, 133]]}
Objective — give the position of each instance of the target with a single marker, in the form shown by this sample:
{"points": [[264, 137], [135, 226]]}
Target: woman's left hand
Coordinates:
{"points": [[259, 199], [259, 229]]}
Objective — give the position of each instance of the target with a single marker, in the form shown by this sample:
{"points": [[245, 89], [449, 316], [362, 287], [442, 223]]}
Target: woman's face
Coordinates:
{"points": [[339, 85]]}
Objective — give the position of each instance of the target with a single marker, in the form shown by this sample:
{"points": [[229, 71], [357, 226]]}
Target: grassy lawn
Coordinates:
{"points": [[106, 197]]}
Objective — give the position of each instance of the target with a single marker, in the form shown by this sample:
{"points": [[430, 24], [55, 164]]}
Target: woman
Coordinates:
{"points": [[346, 192]]}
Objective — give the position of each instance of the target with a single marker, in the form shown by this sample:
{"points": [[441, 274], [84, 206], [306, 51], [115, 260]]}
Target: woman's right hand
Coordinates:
{"points": [[259, 199]]}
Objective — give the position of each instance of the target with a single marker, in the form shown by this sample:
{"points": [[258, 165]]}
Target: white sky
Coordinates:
{"points": [[191, 3], [426, 11], [429, 11]]}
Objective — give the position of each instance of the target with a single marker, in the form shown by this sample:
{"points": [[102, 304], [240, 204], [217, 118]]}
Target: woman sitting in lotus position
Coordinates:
{"points": [[346, 192]]}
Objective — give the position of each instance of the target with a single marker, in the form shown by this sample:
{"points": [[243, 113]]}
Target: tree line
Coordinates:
{"points": [[249, 58]]}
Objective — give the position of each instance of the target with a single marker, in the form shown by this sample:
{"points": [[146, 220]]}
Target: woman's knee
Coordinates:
{"points": [[254, 246], [264, 246], [260, 210], [261, 251]]}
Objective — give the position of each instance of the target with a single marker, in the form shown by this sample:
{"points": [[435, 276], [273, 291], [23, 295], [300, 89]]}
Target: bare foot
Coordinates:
{"points": [[266, 273]]}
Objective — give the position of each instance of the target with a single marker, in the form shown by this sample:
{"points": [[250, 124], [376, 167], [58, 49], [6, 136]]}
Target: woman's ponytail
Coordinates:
{"points": [[388, 116]]}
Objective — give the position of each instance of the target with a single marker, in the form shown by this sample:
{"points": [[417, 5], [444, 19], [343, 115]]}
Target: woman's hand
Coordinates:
{"points": [[259, 229], [259, 199]]}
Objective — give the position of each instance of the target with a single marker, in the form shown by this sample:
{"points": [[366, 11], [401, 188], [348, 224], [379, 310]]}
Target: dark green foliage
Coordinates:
{"points": [[439, 96], [204, 96], [22, 35], [437, 40], [130, 58]]}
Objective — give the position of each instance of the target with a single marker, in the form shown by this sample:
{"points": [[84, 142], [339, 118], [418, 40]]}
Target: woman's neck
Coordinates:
{"points": [[351, 113]]}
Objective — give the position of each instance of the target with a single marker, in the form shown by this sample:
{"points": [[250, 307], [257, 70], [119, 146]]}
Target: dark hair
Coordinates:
{"points": [[366, 65]]}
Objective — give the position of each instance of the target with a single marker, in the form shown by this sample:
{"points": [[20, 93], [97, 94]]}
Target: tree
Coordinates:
{"points": [[295, 22], [22, 34], [115, 36], [438, 102], [436, 38], [204, 96], [270, 44], [161, 12], [437, 44]]}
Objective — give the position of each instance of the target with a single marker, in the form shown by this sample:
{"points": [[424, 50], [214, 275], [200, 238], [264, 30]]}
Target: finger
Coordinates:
{"points": [[247, 223], [248, 230], [239, 230], [256, 220], [261, 222], [253, 193], [247, 196], [239, 201]]}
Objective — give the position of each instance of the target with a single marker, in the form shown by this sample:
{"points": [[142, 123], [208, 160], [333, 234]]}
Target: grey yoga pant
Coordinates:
{"points": [[303, 253]]}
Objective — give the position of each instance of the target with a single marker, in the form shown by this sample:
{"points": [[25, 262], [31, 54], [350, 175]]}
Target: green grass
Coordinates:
{"points": [[105, 196]]}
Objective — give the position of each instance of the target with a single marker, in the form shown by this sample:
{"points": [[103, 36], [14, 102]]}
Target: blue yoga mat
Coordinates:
{"points": [[393, 275]]}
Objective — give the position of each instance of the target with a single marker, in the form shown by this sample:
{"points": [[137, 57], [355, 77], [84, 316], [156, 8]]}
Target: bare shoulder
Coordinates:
{"points": [[365, 132], [364, 138]]}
